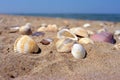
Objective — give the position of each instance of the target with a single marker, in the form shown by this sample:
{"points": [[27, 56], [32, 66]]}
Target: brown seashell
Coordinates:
{"points": [[79, 32], [26, 30], [64, 45], [26, 44], [46, 41]]}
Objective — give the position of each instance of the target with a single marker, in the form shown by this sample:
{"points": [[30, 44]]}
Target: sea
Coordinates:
{"points": [[99, 17]]}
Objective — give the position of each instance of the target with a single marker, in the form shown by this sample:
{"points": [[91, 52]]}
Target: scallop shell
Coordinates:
{"points": [[25, 30], [26, 44], [65, 33], [52, 28], [41, 29], [64, 45], [86, 41], [79, 31], [78, 51]]}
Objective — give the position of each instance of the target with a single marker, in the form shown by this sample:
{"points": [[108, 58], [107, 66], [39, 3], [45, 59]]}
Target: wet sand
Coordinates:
{"points": [[101, 63]]}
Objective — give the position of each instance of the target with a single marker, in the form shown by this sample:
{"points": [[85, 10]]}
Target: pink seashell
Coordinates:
{"points": [[103, 37]]}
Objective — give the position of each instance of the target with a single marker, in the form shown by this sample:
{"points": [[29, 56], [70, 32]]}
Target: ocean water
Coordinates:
{"points": [[99, 17]]}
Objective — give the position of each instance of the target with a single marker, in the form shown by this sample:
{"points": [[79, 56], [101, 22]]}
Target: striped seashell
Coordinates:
{"points": [[79, 32], [65, 33], [26, 44], [64, 45], [86, 41], [78, 51], [26, 29], [52, 28]]}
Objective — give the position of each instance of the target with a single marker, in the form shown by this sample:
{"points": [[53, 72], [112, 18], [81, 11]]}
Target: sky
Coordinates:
{"points": [[60, 6]]}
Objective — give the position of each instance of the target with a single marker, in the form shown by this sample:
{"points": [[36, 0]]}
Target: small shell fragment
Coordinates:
{"points": [[52, 28], [86, 41], [46, 41], [26, 29], [64, 45], [41, 29], [14, 29], [117, 46], [38, 34], [117, 32], [86, 25], [78, 51], [26, 44]]}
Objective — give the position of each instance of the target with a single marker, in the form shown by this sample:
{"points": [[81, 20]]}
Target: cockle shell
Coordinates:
{"points": [[52, 28], [41, 29], [25, 30], [78, 51], [26, 44], [64, 45], [79, 31], [86, 41], [65, 33]]}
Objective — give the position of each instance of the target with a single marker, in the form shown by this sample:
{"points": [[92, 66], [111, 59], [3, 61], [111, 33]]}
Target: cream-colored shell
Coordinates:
{"points": [[79, 31], [86, 41], [25, 44], [25, 30], [65, 33], [90, 32], [78, 51], [64, 45], [117, 46], [52, 28], [117, 32], [41, 29], [86, 25]]}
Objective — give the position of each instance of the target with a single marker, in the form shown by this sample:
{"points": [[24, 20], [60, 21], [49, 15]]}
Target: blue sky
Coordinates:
{"points": [[60, 6]]}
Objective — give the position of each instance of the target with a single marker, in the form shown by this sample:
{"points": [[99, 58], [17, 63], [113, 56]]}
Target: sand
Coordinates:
{"points": [[102, 61]]}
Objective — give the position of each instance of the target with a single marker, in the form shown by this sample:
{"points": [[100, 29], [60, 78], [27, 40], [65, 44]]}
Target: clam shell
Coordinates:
{"points": [[52, 28], [25, 30], [65, 33], [41, 29], [64, 45], [78, 51], [79, 31], [26, 44], [86, 41]]}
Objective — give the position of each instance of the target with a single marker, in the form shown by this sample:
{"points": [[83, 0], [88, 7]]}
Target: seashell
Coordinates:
{"points": [[43, 25], [117, 46], [86, 25], [14, 29], [65, 33], [79, 32], [52, 28], [64, 45], [78, 51], [90, 32], [25, 30], [103, 37], [38, 34], [117, 32], [46, 41], [86, 41], [102, 30], [26, 44], [41, 29]]}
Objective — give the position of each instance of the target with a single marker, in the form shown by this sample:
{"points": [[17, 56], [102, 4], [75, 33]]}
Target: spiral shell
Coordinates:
{"points": [[64, 45], [25, 30], [78, 51], [79, 31], [26, 44]]}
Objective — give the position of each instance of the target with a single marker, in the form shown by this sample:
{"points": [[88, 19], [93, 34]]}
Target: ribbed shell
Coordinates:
{"points": [[25, 44]]}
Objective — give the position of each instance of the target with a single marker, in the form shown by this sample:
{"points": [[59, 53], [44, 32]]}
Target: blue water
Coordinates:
{"points": [[101, 17]]}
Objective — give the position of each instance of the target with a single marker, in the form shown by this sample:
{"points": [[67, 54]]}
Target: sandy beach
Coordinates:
{"points": [[102, 61]]}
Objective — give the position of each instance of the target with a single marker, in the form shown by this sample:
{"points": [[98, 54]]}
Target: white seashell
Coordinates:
{"points": [[117, 46], [117, 32], [14, 29], [65, 33], [79, 31], [52, 28], [86, 25], [43, 25], [86, 41], [64, 45], [25, 30], [41, 29], [26, 44], [78, 51]]}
